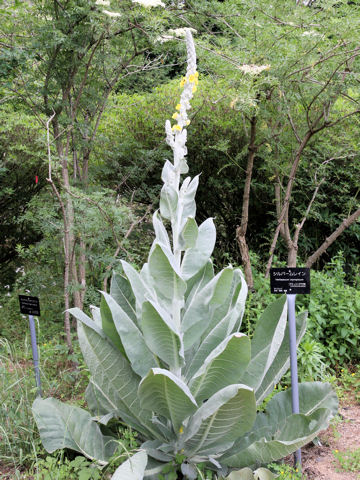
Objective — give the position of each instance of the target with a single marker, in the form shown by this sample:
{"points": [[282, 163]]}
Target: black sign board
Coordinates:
{"points": [[290, 280], [29, 305]]}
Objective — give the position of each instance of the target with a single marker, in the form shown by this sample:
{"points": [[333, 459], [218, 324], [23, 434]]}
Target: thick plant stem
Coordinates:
{"points": [[176, 139]]}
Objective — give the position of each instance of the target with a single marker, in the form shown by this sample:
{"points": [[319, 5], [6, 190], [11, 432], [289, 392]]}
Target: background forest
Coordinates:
{"points": [[86, 87]]}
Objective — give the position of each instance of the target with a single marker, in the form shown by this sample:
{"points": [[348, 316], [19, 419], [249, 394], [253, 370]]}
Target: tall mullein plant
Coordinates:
{"points": [[167, 357]]}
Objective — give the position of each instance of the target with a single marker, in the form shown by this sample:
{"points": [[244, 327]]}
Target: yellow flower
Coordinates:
{"points": [[175, 115], [176, 127], [183, 81], [196, 74], [352, 374], [194, 89], [181, 431], [178, 106], [187, 122], [336, 451], [285, 387], [192, 78]]}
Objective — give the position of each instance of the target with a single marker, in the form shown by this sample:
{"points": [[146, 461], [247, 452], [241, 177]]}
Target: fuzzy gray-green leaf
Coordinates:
{"points": [[65, 426], [165, 394]]}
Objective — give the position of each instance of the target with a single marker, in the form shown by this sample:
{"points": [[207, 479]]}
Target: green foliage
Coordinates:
{"points": [[60, 468], [286, 472], [349, 383], [21, 143], [311, 360], [349, 460], [333, 326], [334, 313]]}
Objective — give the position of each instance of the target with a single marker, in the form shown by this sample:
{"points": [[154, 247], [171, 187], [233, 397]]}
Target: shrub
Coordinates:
{"points": [[334, 314]]}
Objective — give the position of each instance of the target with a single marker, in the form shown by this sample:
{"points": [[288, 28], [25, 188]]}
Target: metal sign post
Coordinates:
{"points": [[31, 306], [291, 281], [35, 354], [293, 364]]}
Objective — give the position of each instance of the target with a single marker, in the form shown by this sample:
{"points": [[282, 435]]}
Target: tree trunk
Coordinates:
{"points": [[68, 220], [242, 229]]}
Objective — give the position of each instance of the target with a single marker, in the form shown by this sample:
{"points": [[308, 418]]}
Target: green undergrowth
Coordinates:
{"points": [[20, 444], [349, 460]]}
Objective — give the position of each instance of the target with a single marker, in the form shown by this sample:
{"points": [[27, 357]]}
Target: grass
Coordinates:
{"points": [[348, 460], [19, 438], [20, 445]]}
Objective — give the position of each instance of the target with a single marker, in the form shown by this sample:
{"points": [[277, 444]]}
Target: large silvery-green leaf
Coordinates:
{"points": [[210, 342], [198, 282], [232, 308], [96, 315], [132, 339], [166, 394], [121, 292], [161, 335], [168, 201], [224, 366], [113, 385], [278, 432], [196, 257], [266, 342], [189, 234], [97, 403], [83, 318], [160, 231], [109, 327], [281, 362], [65, 426], [194, 321], [222, 329], [247, 474], [138, 286], [227, 415], [133, 468], [187, 197], [168, 280]]}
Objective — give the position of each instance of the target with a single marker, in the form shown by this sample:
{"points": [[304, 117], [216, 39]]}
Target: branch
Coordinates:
{"points": [[120, 247], [285, 206], [48, 141], [331, 239], [301, 224]]}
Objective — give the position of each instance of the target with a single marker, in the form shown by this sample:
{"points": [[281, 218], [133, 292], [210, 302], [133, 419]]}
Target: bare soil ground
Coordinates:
{"points": [[319, 463]]}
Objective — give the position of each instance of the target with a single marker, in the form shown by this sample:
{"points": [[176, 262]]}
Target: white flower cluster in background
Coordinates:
{"points": [[254, 69], [112, 14], [176, 135], [171, 34], [311, 33], [150, 3], [104, 3]]}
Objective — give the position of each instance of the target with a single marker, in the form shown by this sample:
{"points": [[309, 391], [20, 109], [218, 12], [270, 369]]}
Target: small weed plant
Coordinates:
{"points": [[55, 468], [286, 472], [348, 460]]}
